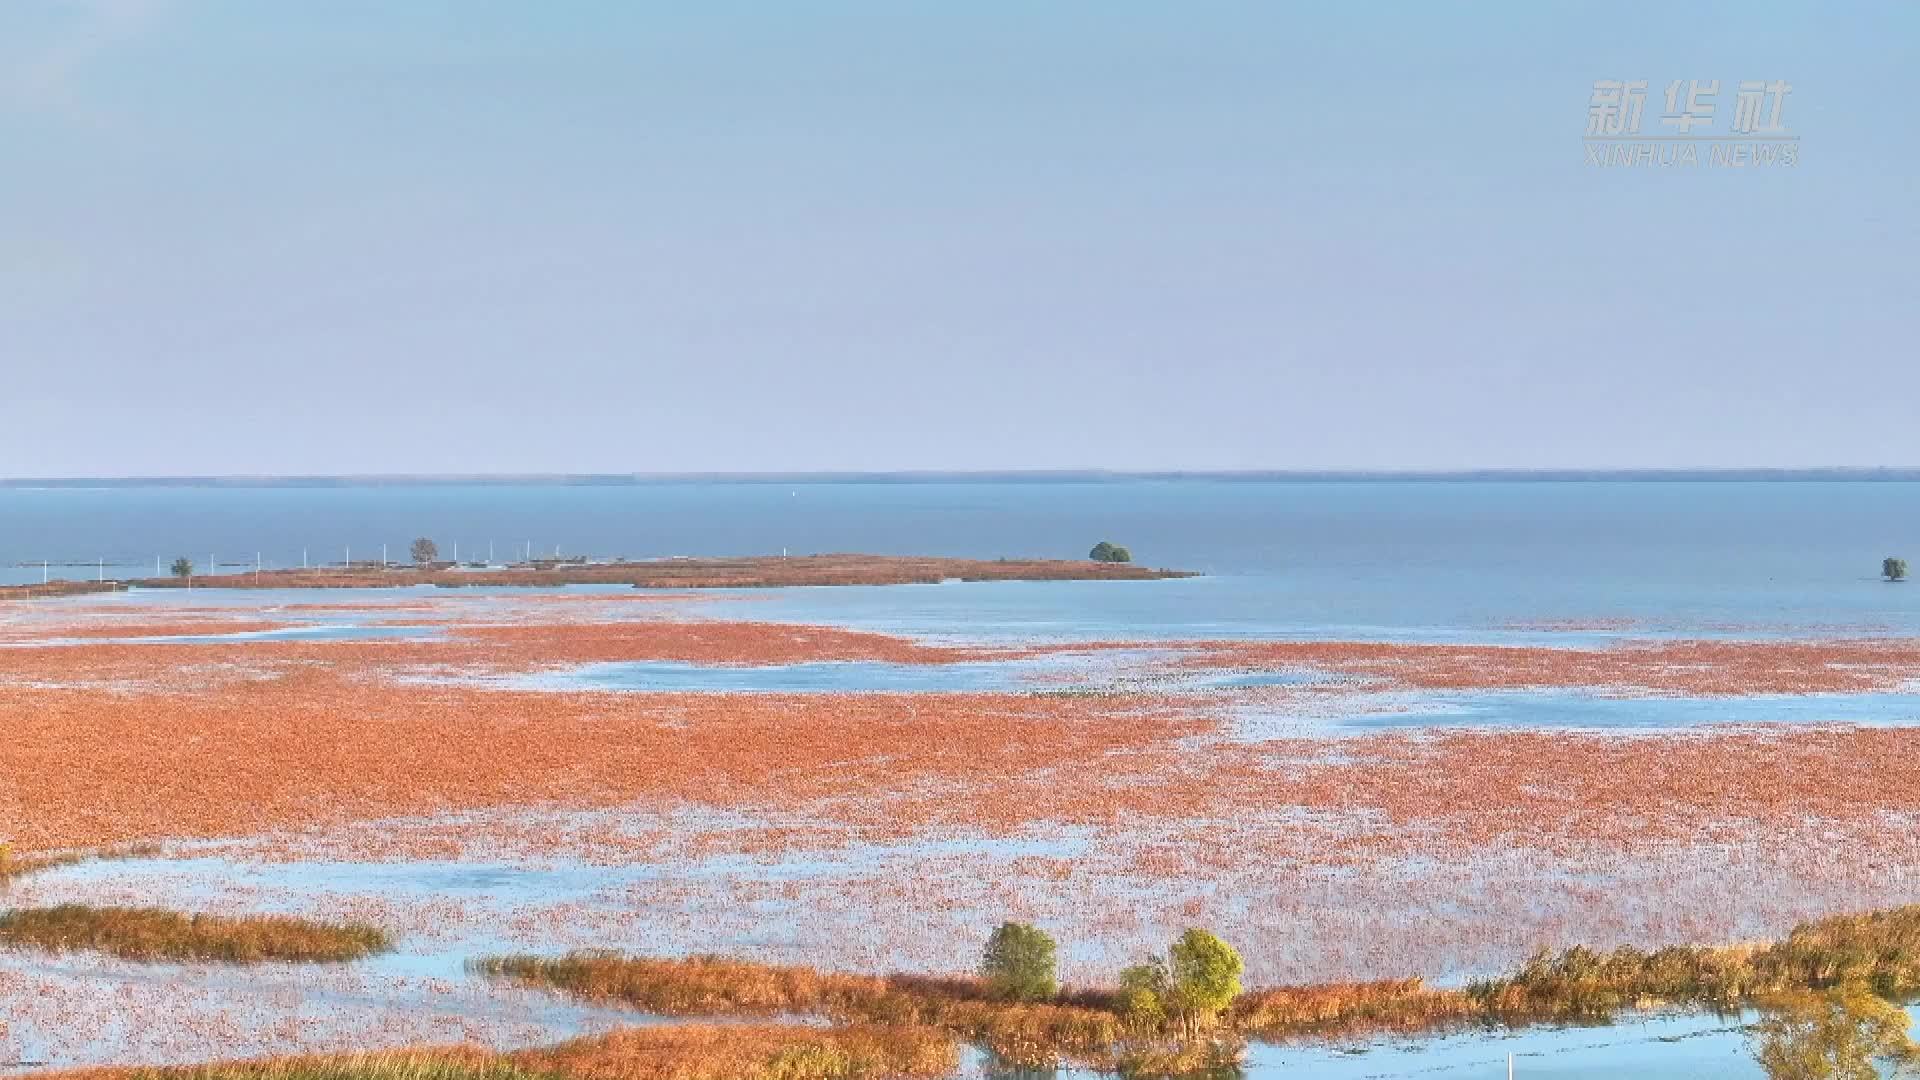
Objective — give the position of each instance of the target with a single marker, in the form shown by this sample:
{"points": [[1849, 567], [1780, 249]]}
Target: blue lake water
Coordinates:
{"points": [[1373, 558]]}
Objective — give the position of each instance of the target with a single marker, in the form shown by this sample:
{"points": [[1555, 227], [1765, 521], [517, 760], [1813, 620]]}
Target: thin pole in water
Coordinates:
{"points": [[43, 571], [1509, 1067], [303, 558]]}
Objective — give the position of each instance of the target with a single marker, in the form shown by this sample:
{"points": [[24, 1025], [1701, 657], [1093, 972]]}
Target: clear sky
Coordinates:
{"points": [[470, 236]]}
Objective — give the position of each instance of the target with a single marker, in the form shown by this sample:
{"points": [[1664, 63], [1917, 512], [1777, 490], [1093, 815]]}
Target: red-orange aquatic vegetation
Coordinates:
{"points": [[1690, 668]]}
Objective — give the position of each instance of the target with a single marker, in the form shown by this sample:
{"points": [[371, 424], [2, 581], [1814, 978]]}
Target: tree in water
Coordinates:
{"points": [[425, 551], [1019, 963], [1894, 568], [1108, 552], [183, 567]]}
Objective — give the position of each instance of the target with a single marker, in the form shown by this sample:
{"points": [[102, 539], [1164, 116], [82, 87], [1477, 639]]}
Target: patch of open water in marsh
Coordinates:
{"points": [[1361, 712]]}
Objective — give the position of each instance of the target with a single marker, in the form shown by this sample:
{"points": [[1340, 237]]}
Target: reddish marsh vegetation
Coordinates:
{"points": [[689, 1052], [1685, 668]]}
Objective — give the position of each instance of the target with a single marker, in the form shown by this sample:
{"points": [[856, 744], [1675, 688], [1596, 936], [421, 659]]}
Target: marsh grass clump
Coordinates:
{"points": [[1339, 1008], [14, 866], [155, 934], [744, 1052], [1878, 950], [1024, 1033]]}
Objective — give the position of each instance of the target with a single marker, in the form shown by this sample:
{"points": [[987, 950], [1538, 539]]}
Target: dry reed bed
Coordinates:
{"points": [[153, 934], [1028, 1034]]}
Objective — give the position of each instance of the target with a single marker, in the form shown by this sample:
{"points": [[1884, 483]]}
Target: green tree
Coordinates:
{"points": [[1109, 552], [1894, 567], [1019, 964], [183, 567], [425, 551], [1844, 1034], [1203, 978], [1143, 995]]}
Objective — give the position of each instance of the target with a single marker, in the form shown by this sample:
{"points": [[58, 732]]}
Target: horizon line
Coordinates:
{"points": [[1498, 473]]}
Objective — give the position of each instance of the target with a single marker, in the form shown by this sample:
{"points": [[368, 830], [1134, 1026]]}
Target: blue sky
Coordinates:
{"points": [[239, 237]]}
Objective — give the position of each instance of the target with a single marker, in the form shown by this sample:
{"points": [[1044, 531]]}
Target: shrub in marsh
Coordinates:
{"points": [[1198, 979], [1144, 991], [1847, 1033], [156, 934], [424, 551], [1018, 963], [1109, 553], [1203, 978], [182, 567]]}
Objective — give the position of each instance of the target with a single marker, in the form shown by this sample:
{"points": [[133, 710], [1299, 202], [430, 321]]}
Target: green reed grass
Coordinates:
{"points": [[155, 934]]}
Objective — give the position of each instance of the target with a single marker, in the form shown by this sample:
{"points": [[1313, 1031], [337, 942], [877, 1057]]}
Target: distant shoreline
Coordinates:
{"points": [[749, 572], [1851, 474]]}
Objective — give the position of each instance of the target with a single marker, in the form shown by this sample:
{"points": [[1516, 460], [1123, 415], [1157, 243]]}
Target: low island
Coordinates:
{"points": [[759, 571]]}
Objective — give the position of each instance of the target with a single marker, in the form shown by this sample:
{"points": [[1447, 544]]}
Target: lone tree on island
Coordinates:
{"points": [[1895, 568], [425, 551], [1018, 963], [1106, 552], [183, 567]]}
